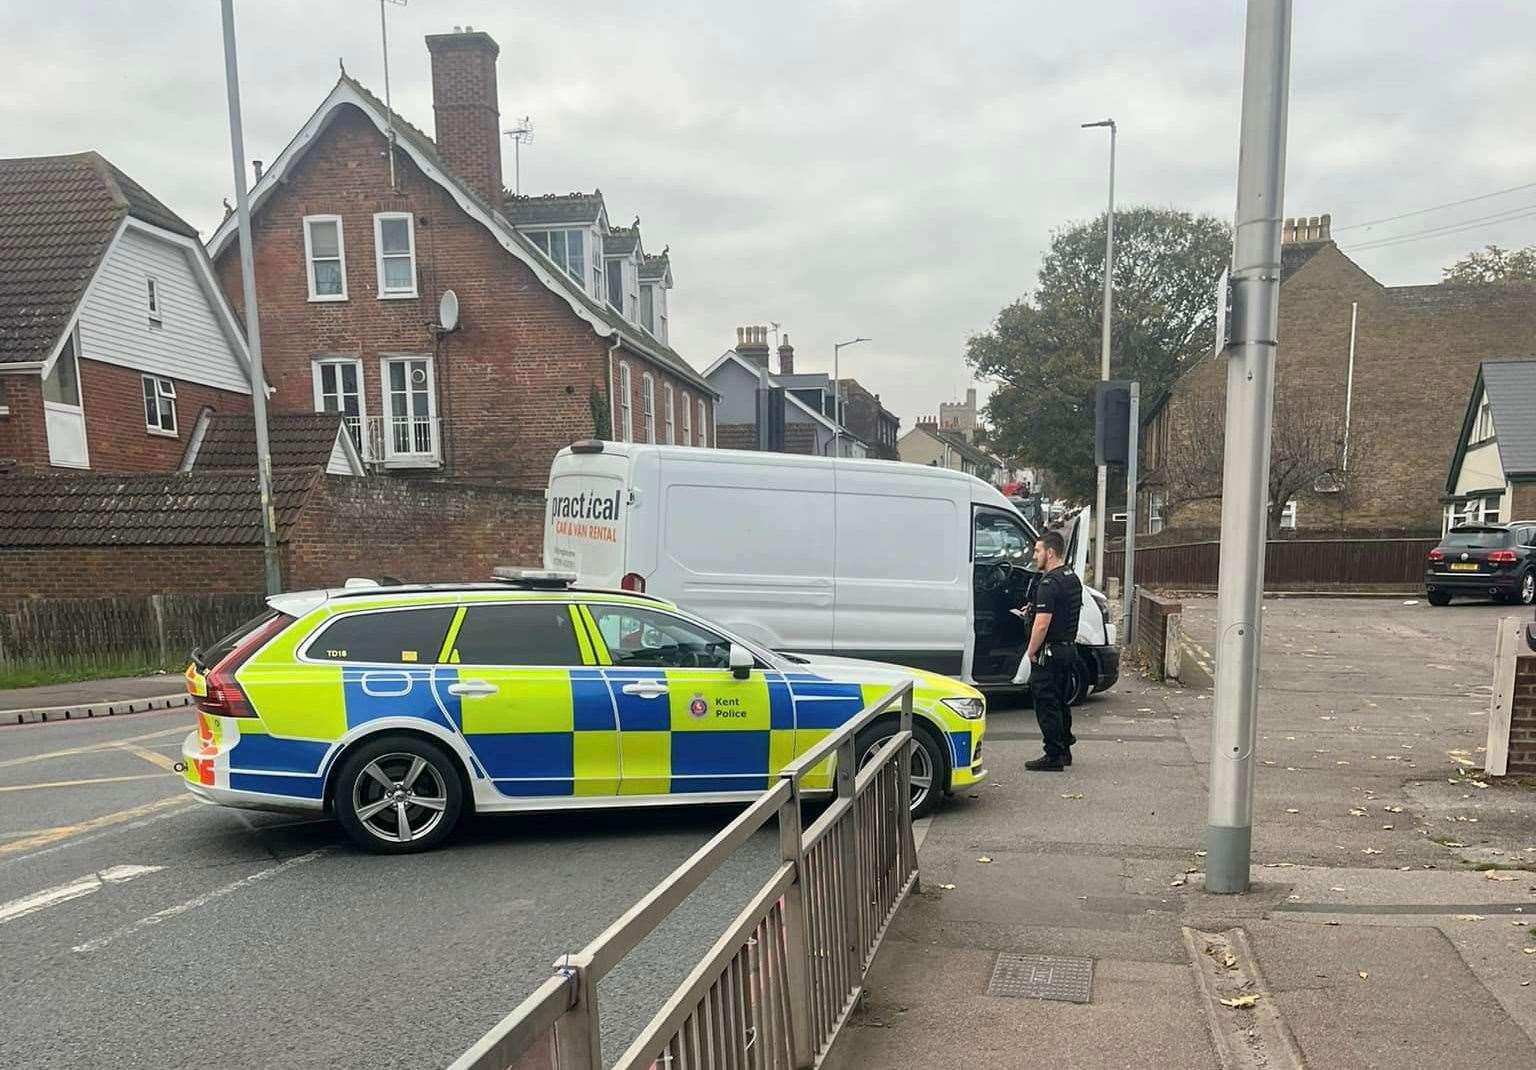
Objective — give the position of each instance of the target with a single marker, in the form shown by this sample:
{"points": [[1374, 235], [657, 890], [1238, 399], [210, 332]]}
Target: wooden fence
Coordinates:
{"points": [[1289, 565], [154, 629]]}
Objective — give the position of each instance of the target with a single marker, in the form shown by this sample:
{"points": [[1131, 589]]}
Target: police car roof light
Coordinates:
{"points": [[359, 581], [587, 445], [540, 578]]}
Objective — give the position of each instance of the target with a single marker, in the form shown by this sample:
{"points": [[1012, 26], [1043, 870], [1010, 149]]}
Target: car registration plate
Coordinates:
{"points": [[1464, 566]]}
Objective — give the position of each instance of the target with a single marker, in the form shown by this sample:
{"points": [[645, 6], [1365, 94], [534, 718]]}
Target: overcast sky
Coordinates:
{"points": [[843, 167]]}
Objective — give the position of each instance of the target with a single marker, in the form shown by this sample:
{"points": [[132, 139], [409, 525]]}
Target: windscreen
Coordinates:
{"points": [[1477, 540]]}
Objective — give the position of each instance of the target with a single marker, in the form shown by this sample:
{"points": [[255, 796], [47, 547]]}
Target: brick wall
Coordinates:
{"points": [[117, 437], [1416, 354], [798, 438], [91, 571], [1523, 499], [1522, 721], [412, 530], [1150, 640], [514, 384]]}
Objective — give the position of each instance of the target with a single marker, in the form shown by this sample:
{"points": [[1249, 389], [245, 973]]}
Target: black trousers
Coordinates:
{"points": [[1050, 682]]}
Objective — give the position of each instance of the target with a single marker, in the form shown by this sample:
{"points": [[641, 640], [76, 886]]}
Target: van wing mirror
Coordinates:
{"points": [[741, 661]]}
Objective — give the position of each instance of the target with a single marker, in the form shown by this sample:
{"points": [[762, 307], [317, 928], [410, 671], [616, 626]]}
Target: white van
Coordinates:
{"points": [[865, 559]]}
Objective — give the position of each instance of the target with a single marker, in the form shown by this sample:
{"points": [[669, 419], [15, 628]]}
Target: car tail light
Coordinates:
{"points": [[633, 581], [224, 697], [1502, 557], [1437, 555]]}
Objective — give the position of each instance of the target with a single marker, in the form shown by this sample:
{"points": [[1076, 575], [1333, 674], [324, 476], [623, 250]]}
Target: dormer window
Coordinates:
{"points": [[567, 248], [616, 284], [647, 307], [1484, 422]]}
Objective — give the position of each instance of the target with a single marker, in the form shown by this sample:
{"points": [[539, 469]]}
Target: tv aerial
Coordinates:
{"points": [[521, 134]]}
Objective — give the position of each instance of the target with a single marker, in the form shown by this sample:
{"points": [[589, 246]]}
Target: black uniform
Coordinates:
{"points": [[1059, 593]]}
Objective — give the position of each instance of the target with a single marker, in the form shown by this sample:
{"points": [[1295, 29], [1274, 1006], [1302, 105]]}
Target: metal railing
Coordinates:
{"points": [[780, 981], [403, 439]]}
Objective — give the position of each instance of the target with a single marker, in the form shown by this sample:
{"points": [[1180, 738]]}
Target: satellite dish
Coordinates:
{"points": [[448, 312]]}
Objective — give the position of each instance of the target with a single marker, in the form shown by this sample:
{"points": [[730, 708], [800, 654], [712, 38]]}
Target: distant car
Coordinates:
{"points": [[1495, 561]]}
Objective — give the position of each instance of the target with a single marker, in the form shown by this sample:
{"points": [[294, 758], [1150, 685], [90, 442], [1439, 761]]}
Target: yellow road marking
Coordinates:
{"points": [[79, 783], [64, 832], [150, 756], [91, 747]]}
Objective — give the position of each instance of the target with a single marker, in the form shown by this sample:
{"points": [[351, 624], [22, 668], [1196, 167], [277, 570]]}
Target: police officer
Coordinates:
{"points": [[1052, 652]]}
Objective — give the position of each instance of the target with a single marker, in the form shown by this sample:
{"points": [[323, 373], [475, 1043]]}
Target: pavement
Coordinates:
{"points": [[139, 928], [91, 698], [1372, 936]]}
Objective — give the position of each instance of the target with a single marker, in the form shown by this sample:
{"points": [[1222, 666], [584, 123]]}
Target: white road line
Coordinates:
{"points": [[200, 901], [63, 893]]}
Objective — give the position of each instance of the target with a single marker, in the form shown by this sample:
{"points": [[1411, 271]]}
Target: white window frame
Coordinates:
{"points": [[1289, 515], [648, 406], [379, 219], [152, 285], [703, 424], [626, 404], [411, 457], [361, 440], [309, 257], [165, 390], [1155, 505], [1484, 428], [1489, 507], [687, 419], [669, 399], [547, 234], [608, 278]]}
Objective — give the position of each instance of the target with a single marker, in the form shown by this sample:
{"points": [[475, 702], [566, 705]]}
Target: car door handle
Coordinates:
{"points": [[646, 688], [472, 689]]}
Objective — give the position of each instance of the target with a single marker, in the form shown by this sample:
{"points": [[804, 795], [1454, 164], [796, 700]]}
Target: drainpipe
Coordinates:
{"points": [[613, 415], [1349, 382]]}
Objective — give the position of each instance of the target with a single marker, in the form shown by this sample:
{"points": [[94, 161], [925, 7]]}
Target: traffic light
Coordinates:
{"points": [[1112, 422]]}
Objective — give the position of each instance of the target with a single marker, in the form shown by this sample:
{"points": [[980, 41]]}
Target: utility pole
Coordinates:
{"points": [[1128, 598], [1109, 303], [837, 395], [1250, 355], [252, 320]]}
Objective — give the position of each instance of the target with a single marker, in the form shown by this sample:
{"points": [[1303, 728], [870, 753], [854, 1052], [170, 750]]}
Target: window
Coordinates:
{"points": [[687, 420], [597, 279], [1486, 510], [152, 285], [1484, 422], [325, 257], [616, 284], [399, 637], [1000, 538], [669, 420], [516, 635], [661, 314], [159, 405], [647, 309], [626, 405], [567, 248], [394, 243], [1288, 516], [648, 405], [643, 638], [62, 387], [411, 429], [1155, 505], [339, 388], [703, 425]]}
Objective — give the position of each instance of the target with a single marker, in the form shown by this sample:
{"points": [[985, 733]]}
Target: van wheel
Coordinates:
{"points": [[928, 765], [1082, 681], [1438, 598], [397, 794]]}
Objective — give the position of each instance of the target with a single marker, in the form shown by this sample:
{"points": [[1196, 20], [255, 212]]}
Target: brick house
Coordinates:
{"points": [[351, 266], [872, 422], [930, 444], [1390, 364], [114, 333], [788, 412], [1492, 477]]}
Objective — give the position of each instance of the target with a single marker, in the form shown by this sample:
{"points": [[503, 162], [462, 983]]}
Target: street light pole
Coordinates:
{"points": [[1255, 305], [1109, 300], [837, 395], [271, 569]]}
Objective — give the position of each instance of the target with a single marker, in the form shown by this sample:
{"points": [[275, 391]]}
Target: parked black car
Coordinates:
{"points": [[1495, 561]]}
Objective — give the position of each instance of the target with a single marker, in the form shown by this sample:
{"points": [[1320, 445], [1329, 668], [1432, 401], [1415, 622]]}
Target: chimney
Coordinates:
{"points": [[464, 108], [970, 396], [1307, 229], [752, 345], [786, 356], [256, 166]]}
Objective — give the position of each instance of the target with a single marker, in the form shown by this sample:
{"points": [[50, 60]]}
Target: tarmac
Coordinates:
{"points": [[1373, 934]]}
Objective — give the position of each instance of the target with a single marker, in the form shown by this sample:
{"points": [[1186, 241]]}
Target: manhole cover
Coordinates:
{"points": [[1042, 977]]}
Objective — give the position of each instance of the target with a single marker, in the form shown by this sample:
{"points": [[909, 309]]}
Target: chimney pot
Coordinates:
{"points": [[465, 109], [256, 166], [786, 356], [741, 337], [1327, 227]]}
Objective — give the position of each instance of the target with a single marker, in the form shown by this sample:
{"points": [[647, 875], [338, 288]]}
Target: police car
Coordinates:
{"points": [[401, 708]]}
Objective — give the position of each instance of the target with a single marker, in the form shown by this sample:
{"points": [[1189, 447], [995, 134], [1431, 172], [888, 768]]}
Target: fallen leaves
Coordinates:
{"points": [[1529, 950], [1497, 875], [1356, 812], [1365, 975], [1072, 795], [1177, 882], [1371, 851], [1393, 809], [1469, 917], [985, 860], [946, 887], [1292, 810], [1241, 1003]]}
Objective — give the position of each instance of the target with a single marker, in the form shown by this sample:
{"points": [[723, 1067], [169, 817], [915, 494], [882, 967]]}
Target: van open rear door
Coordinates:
{"points": [[586, 517], [1077, 541]]}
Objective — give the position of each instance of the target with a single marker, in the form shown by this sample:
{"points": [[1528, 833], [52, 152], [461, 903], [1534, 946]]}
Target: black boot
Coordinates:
{"points": [[1045, 764], [1066, 759]]}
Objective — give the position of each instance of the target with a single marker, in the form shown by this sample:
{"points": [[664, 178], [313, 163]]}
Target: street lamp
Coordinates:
{"points": [[1109, 299], [837, 394]]}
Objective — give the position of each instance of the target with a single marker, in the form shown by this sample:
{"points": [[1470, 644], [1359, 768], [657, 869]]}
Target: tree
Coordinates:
{"points": [[1043, 349], [1306, 449], [1493, 264]]}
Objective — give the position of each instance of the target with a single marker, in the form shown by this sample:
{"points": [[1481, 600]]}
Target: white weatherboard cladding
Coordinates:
{"points": [[186, 344], [1481, 469], [339, 465]]}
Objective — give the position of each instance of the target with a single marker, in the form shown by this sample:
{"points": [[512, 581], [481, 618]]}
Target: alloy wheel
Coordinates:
{"points": [[922, 768], [1528, 588], [399, 797]]}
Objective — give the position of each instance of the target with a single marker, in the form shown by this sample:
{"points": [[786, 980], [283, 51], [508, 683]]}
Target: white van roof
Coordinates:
{"points": [[981, 491]]}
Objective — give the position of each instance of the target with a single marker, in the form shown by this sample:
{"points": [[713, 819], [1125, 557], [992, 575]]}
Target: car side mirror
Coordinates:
{"points": [[741, 661]]}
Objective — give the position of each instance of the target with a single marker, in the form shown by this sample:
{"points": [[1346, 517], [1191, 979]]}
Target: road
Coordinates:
{"points": [[139, 928]]}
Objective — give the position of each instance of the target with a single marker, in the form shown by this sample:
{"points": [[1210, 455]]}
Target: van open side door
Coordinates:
{"points": [[1077, 541]]}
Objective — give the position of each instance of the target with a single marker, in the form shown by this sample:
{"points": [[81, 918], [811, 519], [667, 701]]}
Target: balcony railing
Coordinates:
{"points": [[404, 441]]}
